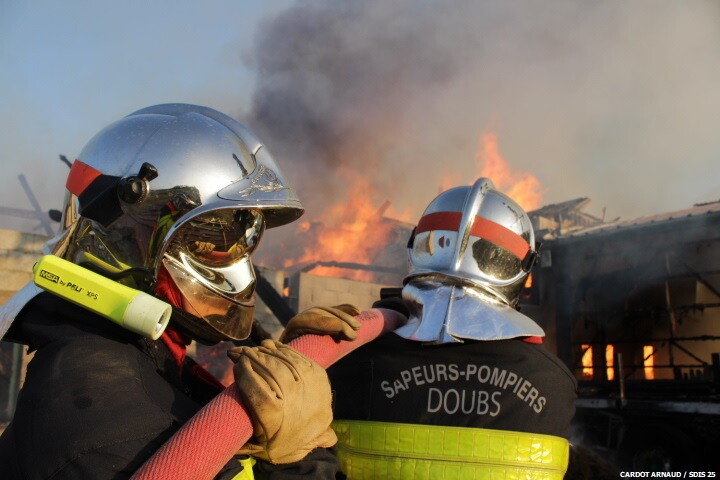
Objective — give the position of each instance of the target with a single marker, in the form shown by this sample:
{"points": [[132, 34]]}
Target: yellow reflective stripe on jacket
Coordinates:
{"points": [[396, 451], [247, 472]]}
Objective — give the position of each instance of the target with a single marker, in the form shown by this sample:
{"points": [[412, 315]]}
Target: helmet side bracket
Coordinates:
{"points": [[100, 200], [134, 189]]}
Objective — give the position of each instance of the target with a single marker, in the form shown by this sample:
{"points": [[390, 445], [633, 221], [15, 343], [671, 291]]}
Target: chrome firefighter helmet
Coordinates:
{"points": [[182, 191], [470, 255]]}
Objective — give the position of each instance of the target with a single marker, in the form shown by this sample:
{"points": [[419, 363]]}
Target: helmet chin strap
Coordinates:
{"points": [[195, 328], [166, 289]]}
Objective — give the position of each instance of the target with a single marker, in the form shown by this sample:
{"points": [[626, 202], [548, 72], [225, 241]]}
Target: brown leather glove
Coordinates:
{"points": [[288, 399], [338, 322]]}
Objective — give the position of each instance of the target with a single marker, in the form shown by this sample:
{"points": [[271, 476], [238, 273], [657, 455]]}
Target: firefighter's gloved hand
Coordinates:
{"points": [[288, 399], [338, 322]]}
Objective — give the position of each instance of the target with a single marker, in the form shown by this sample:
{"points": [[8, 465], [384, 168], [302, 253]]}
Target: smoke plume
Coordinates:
{"points": [[609, 100]]}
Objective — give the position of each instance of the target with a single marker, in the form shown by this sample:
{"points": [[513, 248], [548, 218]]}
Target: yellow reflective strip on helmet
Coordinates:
{"points": [[247, 471], [369, 450]]}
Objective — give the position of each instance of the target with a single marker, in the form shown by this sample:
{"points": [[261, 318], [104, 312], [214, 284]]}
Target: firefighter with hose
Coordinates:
{"points": [[163, 211], [465, 389]]}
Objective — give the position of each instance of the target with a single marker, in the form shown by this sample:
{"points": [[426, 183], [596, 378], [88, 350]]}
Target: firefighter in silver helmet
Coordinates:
{"points": [[472, 249], [465, 388], [171, 200]]}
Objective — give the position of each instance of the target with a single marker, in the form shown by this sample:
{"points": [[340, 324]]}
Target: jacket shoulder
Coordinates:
{"points": [[86, 399]]}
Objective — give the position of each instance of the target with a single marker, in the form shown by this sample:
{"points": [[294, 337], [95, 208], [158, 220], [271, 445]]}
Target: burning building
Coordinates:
{"points": [[552, 221], [633, 308]]}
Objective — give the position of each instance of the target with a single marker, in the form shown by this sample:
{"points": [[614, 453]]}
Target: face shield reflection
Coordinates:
{"points": [[214, 249], [496, 262], [233, 318], [219, 238], [208, 258]]}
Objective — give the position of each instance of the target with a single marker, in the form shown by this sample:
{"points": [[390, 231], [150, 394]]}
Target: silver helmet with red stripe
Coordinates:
{"points": [[470, 256], [179, 194], [476, 234]]}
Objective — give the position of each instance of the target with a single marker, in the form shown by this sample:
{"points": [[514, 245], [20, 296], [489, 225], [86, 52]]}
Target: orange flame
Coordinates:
{"points": [[522, 187], [610, 361], [214, 359], [649, 362], [587, 361], [352, 231]]}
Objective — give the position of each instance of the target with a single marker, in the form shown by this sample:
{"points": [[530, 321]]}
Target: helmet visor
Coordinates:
{"points": [[232, 318], [218, 238], [495, 261], [208, 258], [214, 249]]}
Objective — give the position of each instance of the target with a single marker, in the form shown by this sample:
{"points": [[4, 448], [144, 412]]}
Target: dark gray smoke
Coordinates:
{"points": [[339, 82], [615, 100]]}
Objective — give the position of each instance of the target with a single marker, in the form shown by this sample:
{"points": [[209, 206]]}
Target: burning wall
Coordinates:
{"points": [[649, 287]]}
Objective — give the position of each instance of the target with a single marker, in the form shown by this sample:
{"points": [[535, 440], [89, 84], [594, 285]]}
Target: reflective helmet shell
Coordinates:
{"points": [[141, 179], [205, 161], [477, 235]]}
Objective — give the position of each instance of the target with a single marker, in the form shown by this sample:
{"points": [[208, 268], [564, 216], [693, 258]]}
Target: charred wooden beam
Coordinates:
{"points": [[349, 265]]}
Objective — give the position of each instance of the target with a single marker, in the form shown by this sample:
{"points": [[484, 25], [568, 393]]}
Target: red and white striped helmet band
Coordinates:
{"points": [[482, 228]]}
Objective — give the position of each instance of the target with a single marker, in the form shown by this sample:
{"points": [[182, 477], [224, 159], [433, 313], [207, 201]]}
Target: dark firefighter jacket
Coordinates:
{"points": [[403, 409], [99, 400], [502, 385]]}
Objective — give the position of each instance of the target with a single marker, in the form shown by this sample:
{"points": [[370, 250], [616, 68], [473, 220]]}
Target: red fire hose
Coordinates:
{"points": [[210, 439]]}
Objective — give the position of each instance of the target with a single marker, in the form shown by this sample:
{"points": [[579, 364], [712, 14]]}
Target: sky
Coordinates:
{"points": [[616, 101], [71, 68]]}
